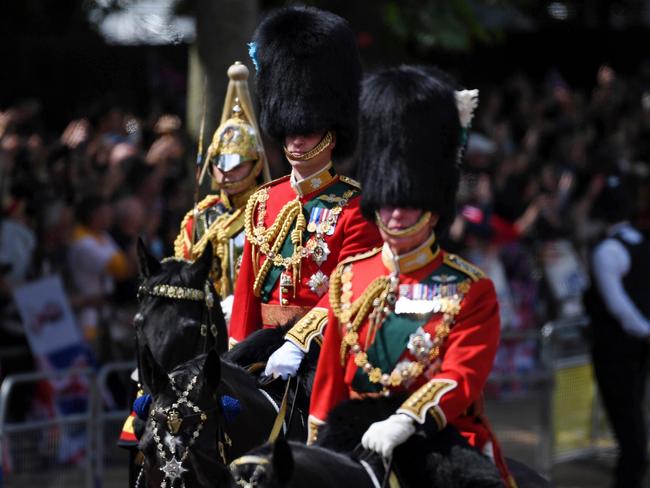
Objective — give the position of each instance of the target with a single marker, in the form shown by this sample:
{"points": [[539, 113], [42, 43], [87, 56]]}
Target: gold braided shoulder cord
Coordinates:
{"points": [[351, 315], [179, 243], [220, 233], [269, 241]]}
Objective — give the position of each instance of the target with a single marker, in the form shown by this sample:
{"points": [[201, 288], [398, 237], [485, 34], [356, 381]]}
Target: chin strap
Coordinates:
{"points": [[409, 231], [319, 148]]}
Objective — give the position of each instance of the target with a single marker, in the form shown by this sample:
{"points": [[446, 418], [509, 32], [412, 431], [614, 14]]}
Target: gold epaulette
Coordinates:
{"points": [[360, 256], [208, 201], [350, 181], [182, 241], [274, 182], [308, 328], [454, 261], [335, 277], [427, 399]]}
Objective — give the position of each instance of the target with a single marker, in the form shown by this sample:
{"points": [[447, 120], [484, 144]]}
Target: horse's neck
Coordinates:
{"points": [[238, 384], [207, 468], [205, 460]]}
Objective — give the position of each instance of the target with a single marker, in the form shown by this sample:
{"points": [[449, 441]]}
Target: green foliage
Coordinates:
{"points": [[445, 24]]}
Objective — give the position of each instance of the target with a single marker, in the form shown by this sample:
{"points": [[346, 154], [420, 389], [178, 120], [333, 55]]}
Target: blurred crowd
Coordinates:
{"points": [[531, 205], [74, 203]]}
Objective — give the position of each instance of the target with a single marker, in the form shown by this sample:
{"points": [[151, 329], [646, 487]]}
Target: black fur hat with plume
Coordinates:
{"points": [[410, 141], [308, 75]]}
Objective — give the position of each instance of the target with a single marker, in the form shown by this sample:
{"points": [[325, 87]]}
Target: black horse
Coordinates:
{"points": [[184, 436], [179, 316], [239, 416], [444, 460], [292, 464]]}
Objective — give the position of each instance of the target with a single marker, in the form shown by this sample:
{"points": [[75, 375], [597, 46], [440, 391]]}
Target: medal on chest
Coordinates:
{"points": [[423, 298], [318, 249], [319, 283], [287, 290], [322, 220]]}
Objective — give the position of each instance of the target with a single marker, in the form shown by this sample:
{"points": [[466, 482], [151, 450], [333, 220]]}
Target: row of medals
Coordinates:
{"points": [[321, 222]]}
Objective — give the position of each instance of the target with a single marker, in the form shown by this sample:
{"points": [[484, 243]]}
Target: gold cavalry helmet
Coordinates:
{"points": [[234, 142], [237, 140]]}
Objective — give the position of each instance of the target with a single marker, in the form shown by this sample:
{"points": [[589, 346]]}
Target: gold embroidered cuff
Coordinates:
{"points": [[313, 426], [426, 399], [308, 328]]}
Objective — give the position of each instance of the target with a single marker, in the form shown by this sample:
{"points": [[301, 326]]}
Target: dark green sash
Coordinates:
{"points": [[393, 336], [389, 345], [337, 189]]}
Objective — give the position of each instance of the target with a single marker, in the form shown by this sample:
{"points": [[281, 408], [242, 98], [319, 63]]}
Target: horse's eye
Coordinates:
{"points": [[138, 320]]}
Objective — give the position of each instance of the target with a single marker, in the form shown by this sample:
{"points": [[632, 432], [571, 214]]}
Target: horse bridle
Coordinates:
{"points": [[260, 464], [190, 294], [170, 416]]}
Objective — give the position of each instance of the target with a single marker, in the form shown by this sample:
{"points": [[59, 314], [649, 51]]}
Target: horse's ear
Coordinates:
{"points": [[282, 460], [151, 374], [149, 266], [200, 269], [212, 369]]}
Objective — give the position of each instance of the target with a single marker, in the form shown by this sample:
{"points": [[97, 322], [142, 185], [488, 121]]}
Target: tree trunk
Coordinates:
{"points": [[223, 28]]}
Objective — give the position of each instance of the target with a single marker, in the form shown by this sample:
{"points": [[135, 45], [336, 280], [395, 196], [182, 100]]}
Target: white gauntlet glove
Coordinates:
{"points": [[226, 307], [382, 437], [285, 361]]}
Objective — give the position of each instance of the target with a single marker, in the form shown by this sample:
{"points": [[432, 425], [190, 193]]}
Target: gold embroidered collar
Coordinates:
{"points": [[412, 260], [315, 182]]}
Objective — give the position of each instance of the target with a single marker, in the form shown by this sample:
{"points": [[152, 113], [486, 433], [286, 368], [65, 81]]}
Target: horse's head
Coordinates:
{"points": [[179, 315], [182, 434], [292, 465], [271, 466]]}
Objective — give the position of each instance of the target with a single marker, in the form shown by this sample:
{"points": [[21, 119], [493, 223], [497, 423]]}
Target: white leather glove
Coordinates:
{"points": [[382, 437], [285, 361], [226, 307]]}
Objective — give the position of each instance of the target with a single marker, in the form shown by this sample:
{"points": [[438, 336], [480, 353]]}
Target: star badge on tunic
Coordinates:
{"points": [[318, 249], [319, 283], [173, 469], [420, 344]]}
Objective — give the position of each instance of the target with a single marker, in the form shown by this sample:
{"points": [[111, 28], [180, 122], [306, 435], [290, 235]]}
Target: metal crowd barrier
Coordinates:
{"points": [[41, 452], [558, 417], [111, 462], [575, 420]]}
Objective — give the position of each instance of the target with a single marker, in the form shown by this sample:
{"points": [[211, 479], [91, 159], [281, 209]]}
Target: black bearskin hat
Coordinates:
{"points": [[308, 75], [409, 141]]}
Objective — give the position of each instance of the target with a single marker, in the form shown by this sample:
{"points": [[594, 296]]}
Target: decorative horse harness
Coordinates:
{"points": [[172, 453], [171, 467], [186, 293]]}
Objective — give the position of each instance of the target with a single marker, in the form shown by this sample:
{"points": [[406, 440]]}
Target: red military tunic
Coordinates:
{"points": [[438, 294], [334, 229]]}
